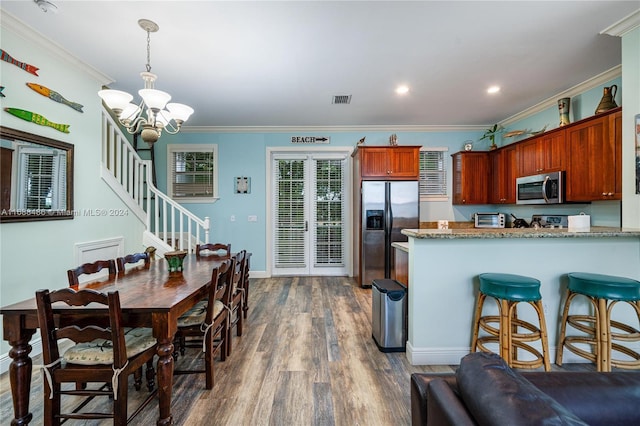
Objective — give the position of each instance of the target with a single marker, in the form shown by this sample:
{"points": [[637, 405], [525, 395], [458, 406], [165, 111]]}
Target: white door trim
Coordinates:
{"points": [[271, 151]]}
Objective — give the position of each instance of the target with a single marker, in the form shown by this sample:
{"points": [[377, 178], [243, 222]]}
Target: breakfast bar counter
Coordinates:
{"points": [[444, 266]]}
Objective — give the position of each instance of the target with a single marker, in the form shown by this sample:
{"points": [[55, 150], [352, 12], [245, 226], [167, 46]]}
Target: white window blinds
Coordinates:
{"points": [[42, 179], [192, 172], [291, 225], [433, 173], [329, 212]]}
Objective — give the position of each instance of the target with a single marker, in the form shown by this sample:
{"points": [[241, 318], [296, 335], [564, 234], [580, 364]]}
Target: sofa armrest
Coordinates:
{"points": [[421, 394], [444, 408]]}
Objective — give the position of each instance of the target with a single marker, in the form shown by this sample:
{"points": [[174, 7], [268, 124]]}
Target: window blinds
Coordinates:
{"points": [[433, 173], [192, 174]]}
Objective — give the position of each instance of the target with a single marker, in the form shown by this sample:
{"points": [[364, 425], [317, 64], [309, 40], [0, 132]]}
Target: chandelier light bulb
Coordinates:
{"points": [[116, 100]]}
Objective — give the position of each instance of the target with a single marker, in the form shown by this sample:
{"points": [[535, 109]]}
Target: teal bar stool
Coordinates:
{"points": [[603, 292], [512, 333]]}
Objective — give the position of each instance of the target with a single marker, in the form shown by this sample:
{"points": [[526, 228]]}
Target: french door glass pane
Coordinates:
{"points": [[290, 214], [329, 213]]}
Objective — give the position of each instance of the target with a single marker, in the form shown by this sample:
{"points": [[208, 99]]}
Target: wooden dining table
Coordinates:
{"points": [[150, 297]]}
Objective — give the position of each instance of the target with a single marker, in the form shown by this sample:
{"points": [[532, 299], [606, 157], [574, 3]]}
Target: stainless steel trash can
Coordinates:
{"points": [[389, 315]]}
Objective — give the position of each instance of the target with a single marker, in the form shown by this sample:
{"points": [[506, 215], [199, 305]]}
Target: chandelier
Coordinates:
{"points": [[149, 117]]}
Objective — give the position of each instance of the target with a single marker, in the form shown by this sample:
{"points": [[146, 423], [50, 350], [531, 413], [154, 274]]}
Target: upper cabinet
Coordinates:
{"points": [[594, 149], [471, 176], [590, 151], [542, 154], [388, 163], [504, 167]]}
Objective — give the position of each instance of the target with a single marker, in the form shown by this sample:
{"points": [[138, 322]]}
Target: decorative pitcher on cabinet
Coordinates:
{"points": [[608, 99]]}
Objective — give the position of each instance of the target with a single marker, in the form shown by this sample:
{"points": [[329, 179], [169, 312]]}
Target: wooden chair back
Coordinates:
{"points": [[133, 258], [98, 324], [221, 286], [91, 268], [214, 249], [105, 362]]}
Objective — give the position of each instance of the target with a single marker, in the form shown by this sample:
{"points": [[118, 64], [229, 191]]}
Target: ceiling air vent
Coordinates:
{"points": [[341, 99]]}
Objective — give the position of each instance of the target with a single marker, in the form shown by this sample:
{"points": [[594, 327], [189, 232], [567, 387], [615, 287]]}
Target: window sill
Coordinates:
{"points": [[208, 200]]}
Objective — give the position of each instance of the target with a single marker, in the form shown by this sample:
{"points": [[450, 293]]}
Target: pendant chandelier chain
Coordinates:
{"points": [[148, 51]]}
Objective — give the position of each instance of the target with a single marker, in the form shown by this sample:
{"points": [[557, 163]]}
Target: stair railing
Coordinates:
{"points": [[131, 178]]}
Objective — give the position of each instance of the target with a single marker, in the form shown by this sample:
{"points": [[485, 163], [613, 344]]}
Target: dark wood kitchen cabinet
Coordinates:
{"points": [[594, 149], [471, 177], [387, 162], [504, 166], [542, 154]]}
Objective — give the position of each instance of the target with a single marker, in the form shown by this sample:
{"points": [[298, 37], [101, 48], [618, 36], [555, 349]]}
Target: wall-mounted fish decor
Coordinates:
{"points": [[38, 119], [2, 94], [45, 91], [28, 68]]}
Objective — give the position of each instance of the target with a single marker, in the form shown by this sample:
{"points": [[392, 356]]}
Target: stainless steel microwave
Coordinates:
{"points": [[546, 188]]}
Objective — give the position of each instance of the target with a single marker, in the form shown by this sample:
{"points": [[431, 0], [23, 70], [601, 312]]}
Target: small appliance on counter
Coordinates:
{"points": [[489, 220], [519, 223], [549, 221]]}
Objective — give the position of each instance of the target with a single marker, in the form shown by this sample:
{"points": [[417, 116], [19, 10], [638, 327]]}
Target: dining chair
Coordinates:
{"points": [[91, 268], [245, 285], [236, 318], [133, 258], [213, 249], [206, 324], [104, 353]]}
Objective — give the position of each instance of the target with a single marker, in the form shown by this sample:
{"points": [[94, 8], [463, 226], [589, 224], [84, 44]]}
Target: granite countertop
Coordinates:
{"points": [[401, 245], [480, 233]]}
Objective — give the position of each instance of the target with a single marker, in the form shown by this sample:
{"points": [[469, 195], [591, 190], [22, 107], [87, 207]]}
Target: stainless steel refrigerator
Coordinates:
{"points": [[387, 208]]}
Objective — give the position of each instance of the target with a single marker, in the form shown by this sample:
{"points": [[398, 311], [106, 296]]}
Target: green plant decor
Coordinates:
{"points": [[491, 133]]}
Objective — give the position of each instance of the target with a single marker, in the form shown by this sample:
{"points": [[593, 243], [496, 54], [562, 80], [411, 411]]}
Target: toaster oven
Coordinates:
{"points": [[489, 220]]}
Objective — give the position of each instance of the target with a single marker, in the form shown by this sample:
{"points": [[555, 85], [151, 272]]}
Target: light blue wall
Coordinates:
{"points": [[244, 154], [36, 255], [630, 146]]}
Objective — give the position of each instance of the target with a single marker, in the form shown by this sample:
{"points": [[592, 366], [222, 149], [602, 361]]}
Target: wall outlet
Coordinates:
{"points": [[233, 218], [252, 218]]}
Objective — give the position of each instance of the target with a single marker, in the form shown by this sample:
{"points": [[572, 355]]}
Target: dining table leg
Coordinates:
{"points": [[164, 369], [20, 368]]}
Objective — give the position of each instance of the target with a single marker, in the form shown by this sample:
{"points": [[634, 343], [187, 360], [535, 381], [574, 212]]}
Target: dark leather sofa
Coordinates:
{"points": [[485, 391]]}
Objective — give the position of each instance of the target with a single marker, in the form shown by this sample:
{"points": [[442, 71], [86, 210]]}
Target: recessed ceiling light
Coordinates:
{"points": [[402, 89], [493, 89]]}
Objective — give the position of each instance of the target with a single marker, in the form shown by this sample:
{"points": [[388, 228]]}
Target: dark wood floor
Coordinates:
{"points": [[306, 358]]}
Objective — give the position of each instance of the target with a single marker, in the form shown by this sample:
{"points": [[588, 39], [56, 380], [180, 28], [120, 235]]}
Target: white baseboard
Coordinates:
{"points": [[452, 356]]}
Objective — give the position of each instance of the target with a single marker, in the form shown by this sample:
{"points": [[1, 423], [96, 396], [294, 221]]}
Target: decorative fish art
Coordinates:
{"points": [[38, 119], [46, 92], [28, 68], [2, 94]]}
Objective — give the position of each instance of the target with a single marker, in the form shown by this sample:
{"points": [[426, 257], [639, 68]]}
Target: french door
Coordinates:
{"points": [[308, 211]]}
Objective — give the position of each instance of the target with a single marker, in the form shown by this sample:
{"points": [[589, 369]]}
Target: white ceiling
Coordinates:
{"points": [[270, 63]]}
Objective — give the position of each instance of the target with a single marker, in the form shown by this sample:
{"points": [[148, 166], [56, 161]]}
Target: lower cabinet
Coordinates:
{"points": [[401, 266]]}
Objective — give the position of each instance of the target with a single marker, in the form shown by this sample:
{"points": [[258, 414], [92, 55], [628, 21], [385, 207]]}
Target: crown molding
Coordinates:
{"points": [[15, 25], [339, 129], [592, 83], [623, 26]]}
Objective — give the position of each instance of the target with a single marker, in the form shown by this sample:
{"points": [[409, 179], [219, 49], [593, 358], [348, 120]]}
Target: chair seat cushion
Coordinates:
{"points": [[510, 287], [100, 351], [604, 286], [197, 314]]}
